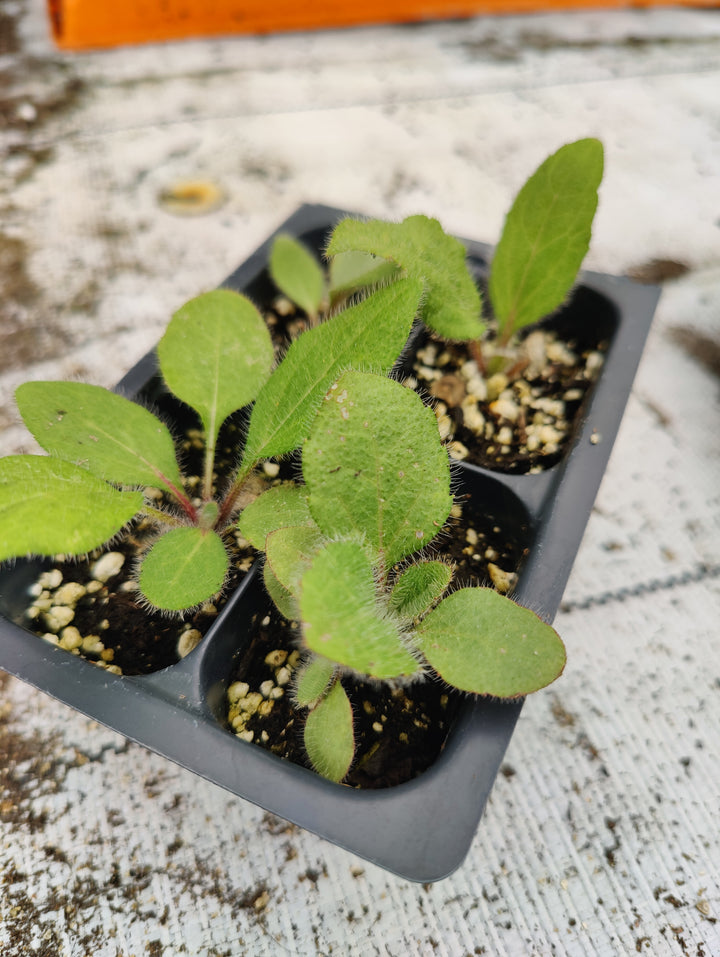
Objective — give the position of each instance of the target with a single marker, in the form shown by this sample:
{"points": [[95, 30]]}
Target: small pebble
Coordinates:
{"points": [[187, 641], [92, 645], [51, 579], [69, 594], [251, 702], [266, 687], [276, 658], [594, 362], [58, 617], [107, 566], [502, 580], [283, 676], [505, 409], [457, 451], [70, 638], [237, 690], [496, 384]]}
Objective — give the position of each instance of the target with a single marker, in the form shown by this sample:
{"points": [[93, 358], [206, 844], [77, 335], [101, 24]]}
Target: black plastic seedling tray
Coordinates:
{"points": [[422, 829]]}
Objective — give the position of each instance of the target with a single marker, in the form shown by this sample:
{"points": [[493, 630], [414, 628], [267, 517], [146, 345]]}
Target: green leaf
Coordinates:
{"points": [[184, 567], [101, 431], [419, 587], [285, 603], [546, 236], [341, 619], [312, 680], [49, 506], [297, 274], [329, 738], [215, 355], [480, 641], [356, 270], [374, 466], [419, 246], [279, 507], [290, 552], [369, 336]]}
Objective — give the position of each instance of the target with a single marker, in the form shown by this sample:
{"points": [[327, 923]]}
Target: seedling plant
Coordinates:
{"points": [[345, 549]]}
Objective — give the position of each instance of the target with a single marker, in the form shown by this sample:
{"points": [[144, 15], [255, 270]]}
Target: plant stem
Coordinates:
{"points": [[209, 466], [181, 498], [228, 504], [477, 354]]}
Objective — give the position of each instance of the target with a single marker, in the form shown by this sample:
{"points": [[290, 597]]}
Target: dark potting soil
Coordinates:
{"points": [[398, 735], [519, 419]]}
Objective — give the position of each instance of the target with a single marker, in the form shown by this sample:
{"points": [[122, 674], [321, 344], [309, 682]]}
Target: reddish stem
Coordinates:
{"points": [[477, 354], [182, 499]]}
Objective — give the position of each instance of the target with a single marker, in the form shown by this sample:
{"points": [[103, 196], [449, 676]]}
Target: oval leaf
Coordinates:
{"points": [[297, 274], [184, 567], [215, 355], [480, 641], [451, 302], [312, 680], [341, 620], [329, 738], [48, 507], [279, 507], [375, 466], [282, 599], [290, 552], [101, 431], [419, 587], [546, 236], [369, 336]]}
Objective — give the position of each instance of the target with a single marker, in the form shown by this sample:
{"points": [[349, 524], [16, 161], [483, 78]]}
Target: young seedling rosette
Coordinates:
{"points": [[377, 490], [345, 551]]}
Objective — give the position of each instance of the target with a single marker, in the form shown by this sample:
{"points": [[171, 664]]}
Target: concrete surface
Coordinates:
{"points": [[601, 837]]}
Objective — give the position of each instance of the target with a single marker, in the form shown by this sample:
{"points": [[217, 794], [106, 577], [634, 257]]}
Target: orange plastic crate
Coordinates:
{"points": [[83, 24]]}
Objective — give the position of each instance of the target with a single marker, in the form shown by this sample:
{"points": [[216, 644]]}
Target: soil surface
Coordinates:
{"points": [[517, 419]]}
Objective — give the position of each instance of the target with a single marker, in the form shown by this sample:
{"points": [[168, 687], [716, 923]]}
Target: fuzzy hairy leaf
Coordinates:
{"points": [[101, 431], [279, 507], [285, 603], [482, 642], [297, 274], [356, 270], [290, 551], [369, 335], [49, 506], [184, 567], [329, 738], [546, 236], [375, 467], [215, 355], [420, 247], [341, 620], [312, 680], [418, 587]]}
